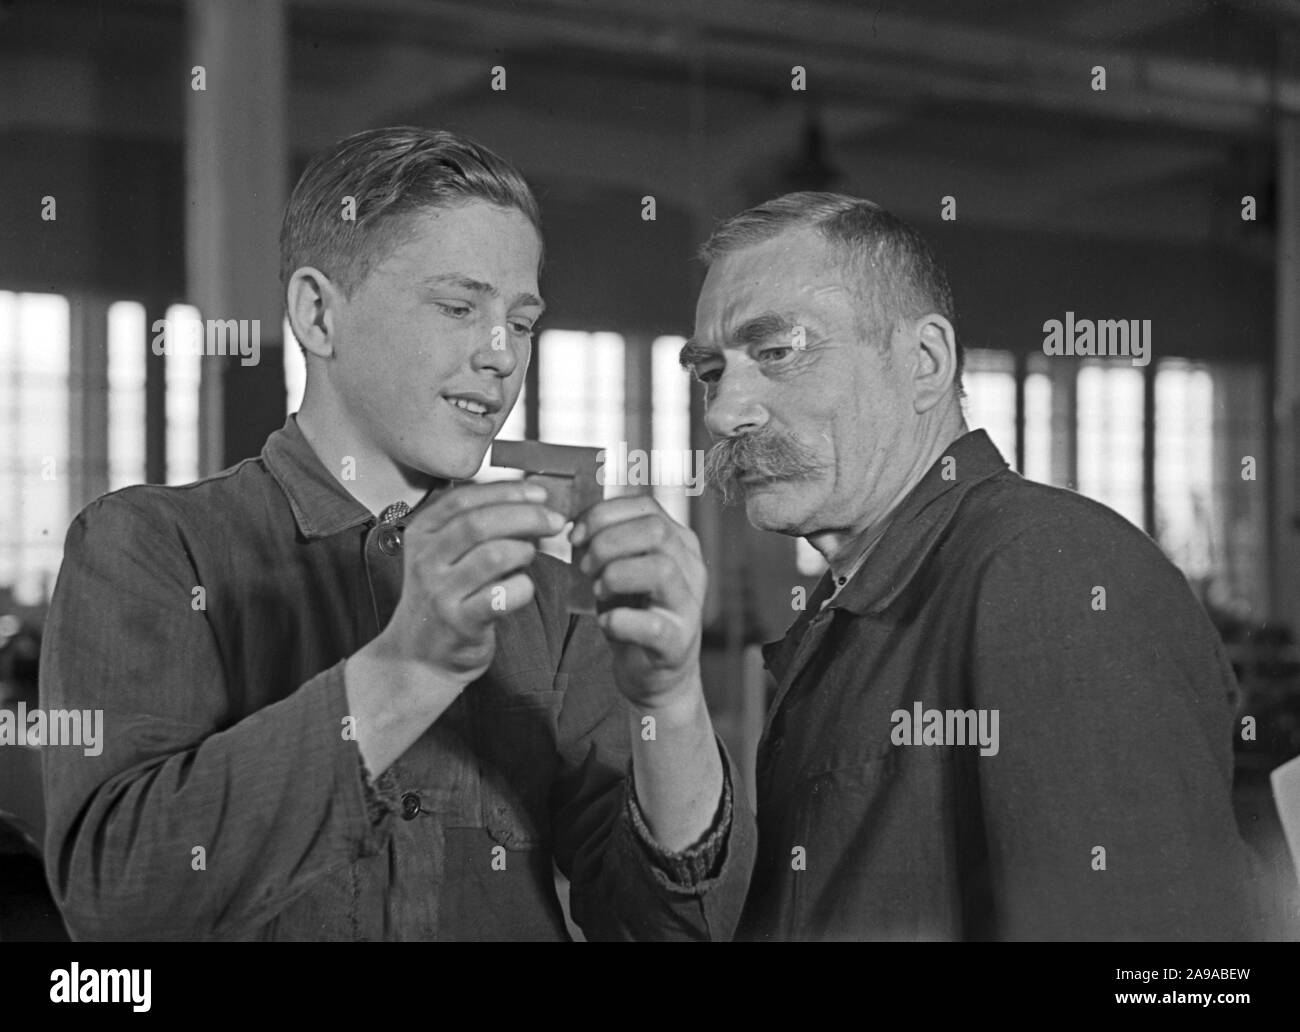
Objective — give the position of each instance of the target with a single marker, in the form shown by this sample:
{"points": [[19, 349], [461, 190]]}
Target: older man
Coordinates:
{"points": [[345, 699], [1002, 714]]}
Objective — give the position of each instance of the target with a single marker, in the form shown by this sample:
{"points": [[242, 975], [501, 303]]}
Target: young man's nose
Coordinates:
{"points": [[498, 353]]}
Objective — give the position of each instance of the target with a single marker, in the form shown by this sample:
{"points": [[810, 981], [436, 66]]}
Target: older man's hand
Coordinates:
{"points": [[635, 548]]}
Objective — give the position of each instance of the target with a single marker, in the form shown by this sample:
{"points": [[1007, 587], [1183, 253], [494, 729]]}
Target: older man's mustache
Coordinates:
{"points": [[763, 453]]}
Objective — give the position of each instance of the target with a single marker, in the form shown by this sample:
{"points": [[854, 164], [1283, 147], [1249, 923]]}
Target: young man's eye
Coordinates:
{"points": [[454, 310]]}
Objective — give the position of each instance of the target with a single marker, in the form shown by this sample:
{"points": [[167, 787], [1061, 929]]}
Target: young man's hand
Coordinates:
{"points": [[465, 557], [464, 569]]}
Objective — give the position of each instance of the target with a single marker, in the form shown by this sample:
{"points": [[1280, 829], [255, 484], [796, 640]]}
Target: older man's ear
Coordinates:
{"points": [[934, 344]]}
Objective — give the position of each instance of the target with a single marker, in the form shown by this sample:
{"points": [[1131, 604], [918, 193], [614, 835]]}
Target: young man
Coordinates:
{"points": [[1002, 714], [342, 701]]}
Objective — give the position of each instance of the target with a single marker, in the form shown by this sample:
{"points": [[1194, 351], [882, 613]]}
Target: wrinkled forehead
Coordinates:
{"points": [[797, 274]]}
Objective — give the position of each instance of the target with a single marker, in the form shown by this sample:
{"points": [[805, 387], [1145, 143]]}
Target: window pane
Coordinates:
{"points": [[580, 383], [34, 362], [1210, 520], [183, 351], [580, 397], [126, 394], [670, 417], [990, 382], [1109, 419]]}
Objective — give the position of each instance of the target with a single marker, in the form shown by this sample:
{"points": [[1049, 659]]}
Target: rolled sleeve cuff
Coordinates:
{"points": [[698, 863]]}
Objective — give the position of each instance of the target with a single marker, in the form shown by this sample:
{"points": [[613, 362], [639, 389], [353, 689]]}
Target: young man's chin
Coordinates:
{"points": [[460, 465]]}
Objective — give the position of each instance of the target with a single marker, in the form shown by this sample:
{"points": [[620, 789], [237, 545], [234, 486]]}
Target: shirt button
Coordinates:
{"points": [[390, 540], [410, 806]]}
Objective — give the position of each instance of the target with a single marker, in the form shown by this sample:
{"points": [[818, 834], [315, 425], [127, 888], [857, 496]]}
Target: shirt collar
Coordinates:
{"points": [[917, 524], [321, 505]]}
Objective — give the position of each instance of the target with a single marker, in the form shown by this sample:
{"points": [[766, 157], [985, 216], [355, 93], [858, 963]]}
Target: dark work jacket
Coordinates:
{"points": [[230, 799], [1105, 812]]}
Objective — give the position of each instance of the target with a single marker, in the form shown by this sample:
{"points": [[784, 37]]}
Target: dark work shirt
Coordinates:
{"points": [[211, 622], [1103, 813]]}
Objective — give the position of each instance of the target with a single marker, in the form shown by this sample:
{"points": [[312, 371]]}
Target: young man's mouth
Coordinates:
{"points": [[475, 410]]}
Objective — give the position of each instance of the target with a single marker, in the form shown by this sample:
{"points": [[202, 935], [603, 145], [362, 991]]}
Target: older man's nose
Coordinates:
{"points": [[735, 408]]}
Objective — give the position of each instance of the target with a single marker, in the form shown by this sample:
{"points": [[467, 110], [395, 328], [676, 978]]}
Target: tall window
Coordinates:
{"points": [[990, 382], [183, 365], [1184, 466], [580, 387], [580, 396], [127, 342], [1110, 417], [1211, 514], [1038, 429], [670, 423], [34, 390]]}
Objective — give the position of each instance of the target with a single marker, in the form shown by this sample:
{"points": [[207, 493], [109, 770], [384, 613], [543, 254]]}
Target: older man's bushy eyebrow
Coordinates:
{"points": [[761, 328], [753, 331], [693, 353]]}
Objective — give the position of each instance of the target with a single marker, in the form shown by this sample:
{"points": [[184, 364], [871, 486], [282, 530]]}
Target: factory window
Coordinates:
{"points": [[670, 399], [34, 405], [990, 383], [182, 376], [1210, 518], [580, 387], [127, 351], [1109, 428]]}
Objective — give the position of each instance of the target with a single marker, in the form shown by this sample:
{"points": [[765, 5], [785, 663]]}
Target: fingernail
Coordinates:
{"points": [[535, 492], [555, 520], [579, 534]]}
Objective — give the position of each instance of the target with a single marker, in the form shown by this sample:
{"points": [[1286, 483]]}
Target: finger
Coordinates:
{"points": [[523, 520], [495, 600], [649, 535], [652, 629], [473, 496], [611, 511], [656, 576], [485, 564], [633, 537]]}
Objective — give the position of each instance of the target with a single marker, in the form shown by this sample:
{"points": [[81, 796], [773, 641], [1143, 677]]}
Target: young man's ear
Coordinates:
{"points": [[936, 369], [311, 301]]}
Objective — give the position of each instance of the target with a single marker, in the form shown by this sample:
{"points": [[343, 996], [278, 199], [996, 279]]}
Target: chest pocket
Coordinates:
{"points": [[518, 759]]}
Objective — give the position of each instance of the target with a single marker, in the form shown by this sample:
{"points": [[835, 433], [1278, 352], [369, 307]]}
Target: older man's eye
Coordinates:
{"points": [[522, 328], [775, 354]]}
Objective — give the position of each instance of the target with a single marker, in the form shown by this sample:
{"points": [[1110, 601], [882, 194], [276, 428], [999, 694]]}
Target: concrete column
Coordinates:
{"points": [[236, 170]]}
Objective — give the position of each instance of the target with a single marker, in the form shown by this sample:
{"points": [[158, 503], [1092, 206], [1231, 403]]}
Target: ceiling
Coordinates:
{"points": [[990, 102]]}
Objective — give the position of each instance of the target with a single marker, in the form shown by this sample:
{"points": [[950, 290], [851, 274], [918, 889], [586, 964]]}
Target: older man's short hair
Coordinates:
{"points": [[345, 213], [897, 273]]}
